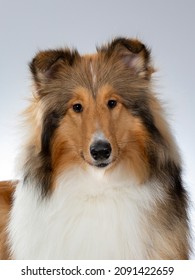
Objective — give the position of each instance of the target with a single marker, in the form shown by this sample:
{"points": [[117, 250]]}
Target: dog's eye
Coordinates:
{"points": [[111, 104], [78, 108]]}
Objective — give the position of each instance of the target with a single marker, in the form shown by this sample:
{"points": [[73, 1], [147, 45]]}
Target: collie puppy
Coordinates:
{"points": [[101, 173]]}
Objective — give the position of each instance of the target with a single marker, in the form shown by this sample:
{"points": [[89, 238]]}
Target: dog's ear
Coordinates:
{"points": [[134, 54], [46, 64]]}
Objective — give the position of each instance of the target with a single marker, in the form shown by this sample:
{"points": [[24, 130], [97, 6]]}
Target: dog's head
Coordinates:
{"points": [[94, 109]]}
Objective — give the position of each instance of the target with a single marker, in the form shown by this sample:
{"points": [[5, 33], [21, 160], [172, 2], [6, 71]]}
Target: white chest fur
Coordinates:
{"points": [[89, 216]]}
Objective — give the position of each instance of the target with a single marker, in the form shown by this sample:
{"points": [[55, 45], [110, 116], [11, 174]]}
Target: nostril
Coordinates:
{"points": [[106, 153], [94, 153], [100, 150]]}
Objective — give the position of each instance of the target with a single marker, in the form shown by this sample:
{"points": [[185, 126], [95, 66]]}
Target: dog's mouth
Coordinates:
{"points": [[98, 164], [102, 165]]}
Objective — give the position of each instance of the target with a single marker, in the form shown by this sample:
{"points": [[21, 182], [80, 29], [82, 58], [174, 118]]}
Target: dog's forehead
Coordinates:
{"points": [[92, 65], [94, 71]]}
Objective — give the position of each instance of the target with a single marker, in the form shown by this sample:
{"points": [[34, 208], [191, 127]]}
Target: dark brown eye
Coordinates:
{"points": [[78, 108], [111, 104]]}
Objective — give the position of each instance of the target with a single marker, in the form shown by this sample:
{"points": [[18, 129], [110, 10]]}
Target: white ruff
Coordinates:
{"points": [[89, 216]]}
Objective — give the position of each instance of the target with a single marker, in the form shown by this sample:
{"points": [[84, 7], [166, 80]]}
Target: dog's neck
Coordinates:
{"points": [[88, 216]]}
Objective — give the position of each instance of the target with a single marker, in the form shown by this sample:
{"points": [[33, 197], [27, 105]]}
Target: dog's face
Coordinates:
{"points": [[99, 131], [93, 109]]}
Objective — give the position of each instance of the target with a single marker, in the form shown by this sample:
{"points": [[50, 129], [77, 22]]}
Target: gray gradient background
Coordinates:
{"points": [[168, 27]]}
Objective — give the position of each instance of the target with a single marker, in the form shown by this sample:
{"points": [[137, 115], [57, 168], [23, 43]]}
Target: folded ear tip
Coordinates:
{"points": [[133, 45], [136, 46], [44, 61]]}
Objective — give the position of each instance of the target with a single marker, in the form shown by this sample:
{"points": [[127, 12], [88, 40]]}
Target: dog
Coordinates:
{"points": [[101, 175]]}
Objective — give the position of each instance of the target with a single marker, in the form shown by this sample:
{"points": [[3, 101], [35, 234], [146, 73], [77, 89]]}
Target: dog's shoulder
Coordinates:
{"points": [[6, 194], [7, 189]]}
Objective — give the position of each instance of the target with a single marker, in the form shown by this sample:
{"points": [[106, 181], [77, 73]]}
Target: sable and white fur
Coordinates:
{"points": [[127, 201]]}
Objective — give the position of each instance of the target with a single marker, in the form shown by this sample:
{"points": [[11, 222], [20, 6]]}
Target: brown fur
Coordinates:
{"points": [[6, 196]]}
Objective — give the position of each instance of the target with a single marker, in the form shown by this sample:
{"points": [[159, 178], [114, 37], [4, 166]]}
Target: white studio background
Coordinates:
{"points": [[168, 27]]}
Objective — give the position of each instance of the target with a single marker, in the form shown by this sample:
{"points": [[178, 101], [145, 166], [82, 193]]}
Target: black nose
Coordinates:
{"points": [[100, 150]]}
